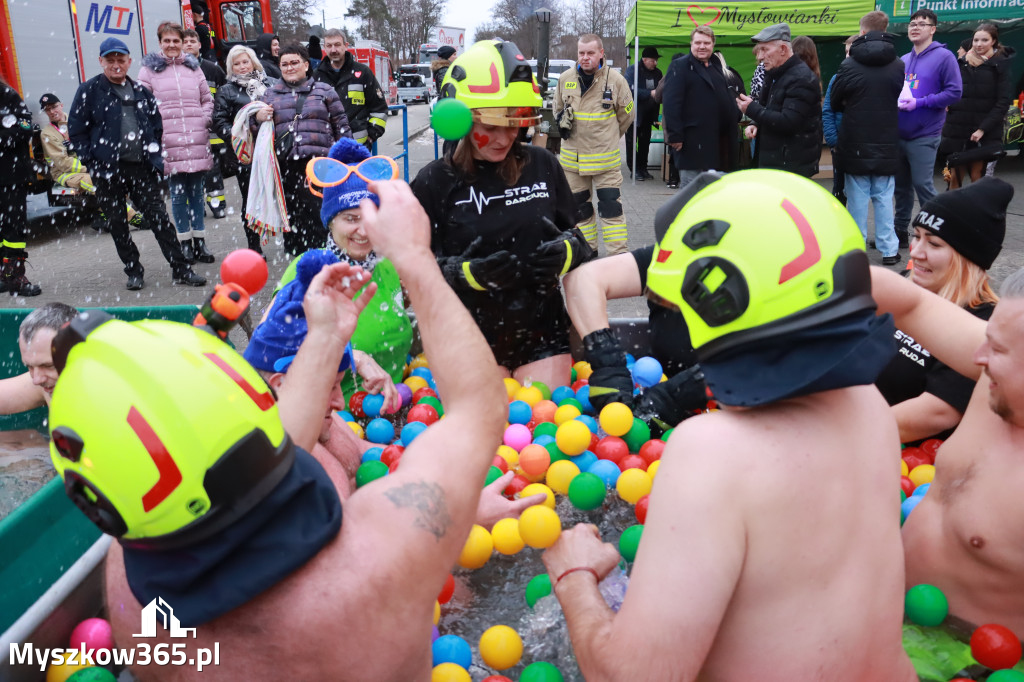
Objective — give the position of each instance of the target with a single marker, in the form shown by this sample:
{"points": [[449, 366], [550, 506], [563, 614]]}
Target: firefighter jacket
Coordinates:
{"points": [[601, 114], [364, 101], [61, 161]]}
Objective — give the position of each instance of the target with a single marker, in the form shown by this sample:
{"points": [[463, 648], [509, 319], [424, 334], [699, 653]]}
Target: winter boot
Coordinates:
{"points": [[252, 240], [186, 251], [201, 252], [217, 208], [13, 275]]}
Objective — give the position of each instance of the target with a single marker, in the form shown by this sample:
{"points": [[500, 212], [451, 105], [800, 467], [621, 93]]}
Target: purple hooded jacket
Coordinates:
{"points": [[186, 108], [934, 78], [320, 124]]}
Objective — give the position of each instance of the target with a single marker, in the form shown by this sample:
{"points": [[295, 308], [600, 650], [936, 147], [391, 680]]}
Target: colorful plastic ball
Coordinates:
{"points": [[415, 383], [995, 646], [59, 671], [921, 490], [652, 469], [434, 632], [246, 268], [452, 649], [94, 633], [555, 452], [560, 476], [633, 484], [904, 469], [583, 396], [633, 462], [511, 386], [640, 510], [541, 671], [355, 404], [448, 590], [572, 437], [356, 429], [611, 448], [915, 457], [545, 429], [1006, 676], [534, 460], [629, 541], [530, 395], [509, 455], [665, 436], [651, 450], [926, 605], [501, 647], [638, 434], [607, 471], [542, 387], [405, 393], [616, 419], [906, 485], [566, 413], [418, 361], [496, 678], [536, 488], [544, 411], [437, 613], [572, 402], [587, 491], [370, 471], [93, 674], [584, 460], [433, 402], [583, 370], [422, 413], [589, 421], [346, 415], [391, 454], [516, 486], [372, 455], [921, 474], [908, 506], [500, 462], [372, 404], [477, 550], [539, 526], [493, 474], [538, 588], [451, 119], [506, 537], [647, 371], [422, 372], [519, 412], [561, 393], [380, 431], [931, 447], [517, 436]]}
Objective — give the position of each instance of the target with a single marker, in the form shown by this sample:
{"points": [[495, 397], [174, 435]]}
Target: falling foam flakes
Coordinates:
{"points": [[153, 148], [9, 121]]}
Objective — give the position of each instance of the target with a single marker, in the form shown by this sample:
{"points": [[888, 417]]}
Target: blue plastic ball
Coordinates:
{"points": [[372, 455], [608, 471], [583, 395], [589, 421], [519, 412], [346, 415], [543, 440], [452, 649], [584, 460], [380, 430], [630, 359], [909, 504], [647, 371], [433, 385], [561, 393], [422, 372], [372, 404], [920, 490], [411, 430]]}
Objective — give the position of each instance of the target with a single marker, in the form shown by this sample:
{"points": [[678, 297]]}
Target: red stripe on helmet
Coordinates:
{"points": [[663, 255], [812, 251], [493, 87], [264, 400], [170, 474]]}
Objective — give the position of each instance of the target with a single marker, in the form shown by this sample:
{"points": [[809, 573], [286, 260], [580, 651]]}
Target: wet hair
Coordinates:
{"points": [[925, 14], [993, 31], [704, 31], [296, 49], [804, 48], [592, 38], [170, 27], [1013, 286], [874, 21], [189, 33], [50, 316]]}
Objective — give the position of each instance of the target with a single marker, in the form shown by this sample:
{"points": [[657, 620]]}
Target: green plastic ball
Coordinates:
{"points": [[543, 388], [545, 429], [370, 471], [538, 588], [1008, 675], [637, 435], [587, 491], [541, 671], [572, 401], [493, 474], [630, 541], [668, 433], [451, 119], [93, 674], [926, 605], [555, 453], [903, 497], [433, 402], [572, 375]]}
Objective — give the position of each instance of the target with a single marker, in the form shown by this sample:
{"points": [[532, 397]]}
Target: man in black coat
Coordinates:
{"points": [[15, 173], [646, 110], [360, 93], [787, 115], [115, 128], [700, 111], [866, 91]]}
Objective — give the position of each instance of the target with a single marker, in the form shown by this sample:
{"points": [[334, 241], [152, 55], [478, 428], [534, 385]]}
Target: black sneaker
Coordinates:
{"points": [[190, 278], [903, 241], [891, 260], [135, 282]]}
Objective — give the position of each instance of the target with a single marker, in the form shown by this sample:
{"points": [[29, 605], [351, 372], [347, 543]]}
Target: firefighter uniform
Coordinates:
{"points": [[365, 104], [601, 111]]}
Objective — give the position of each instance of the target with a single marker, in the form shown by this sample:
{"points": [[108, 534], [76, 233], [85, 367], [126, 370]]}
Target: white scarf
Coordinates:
{"points": [[265, 207]]}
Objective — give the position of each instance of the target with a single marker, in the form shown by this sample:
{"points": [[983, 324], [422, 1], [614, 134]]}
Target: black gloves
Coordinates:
{"points": [[610, 381], [672, 401], [562, 253], [497, 271], [374, 131]]}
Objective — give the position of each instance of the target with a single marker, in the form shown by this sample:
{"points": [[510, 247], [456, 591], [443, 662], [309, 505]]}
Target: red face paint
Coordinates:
{"points": [[481, 140]]}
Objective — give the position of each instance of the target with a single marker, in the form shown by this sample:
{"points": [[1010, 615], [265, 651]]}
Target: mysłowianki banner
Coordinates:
{"points": [[657, 21], [955, 10]]}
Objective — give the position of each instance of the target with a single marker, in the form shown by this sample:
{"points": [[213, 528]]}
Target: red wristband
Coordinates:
{"points": [[597, 578]]}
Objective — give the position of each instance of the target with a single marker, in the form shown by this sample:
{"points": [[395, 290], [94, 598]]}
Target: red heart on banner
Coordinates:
{"points": [[701, 10], [481, 140]]}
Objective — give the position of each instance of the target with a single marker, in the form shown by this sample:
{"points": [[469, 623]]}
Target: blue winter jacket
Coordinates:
{"points": [[94, 124]]}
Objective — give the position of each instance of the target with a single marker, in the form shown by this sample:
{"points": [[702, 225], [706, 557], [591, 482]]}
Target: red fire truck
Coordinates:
{"points": [[373, 54]]}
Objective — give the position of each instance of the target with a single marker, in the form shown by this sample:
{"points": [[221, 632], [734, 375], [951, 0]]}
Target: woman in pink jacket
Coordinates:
{"points": [[186, 108]]}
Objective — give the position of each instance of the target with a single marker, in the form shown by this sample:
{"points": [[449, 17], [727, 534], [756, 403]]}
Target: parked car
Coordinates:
{"points": [[413, 87]]}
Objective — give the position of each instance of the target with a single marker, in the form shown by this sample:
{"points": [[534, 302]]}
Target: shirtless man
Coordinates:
{"points": [[361, 607], [748, 563], [34, 388], [964, 536]]}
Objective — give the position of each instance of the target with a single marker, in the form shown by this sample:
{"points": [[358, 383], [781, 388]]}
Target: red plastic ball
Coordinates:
{"points": [[500, 462], [391, 454], [580, 383], [355, 404], [496, 678], [633, 462], [931, 447], [447, 590], [915, 457], [594, 440], [393, 467], [995, 646], [611, 448], [907, 486], [641, 508], [516, 486], [532, 424], [422, 413], [651, 450], [421, 393], [246, 268]]}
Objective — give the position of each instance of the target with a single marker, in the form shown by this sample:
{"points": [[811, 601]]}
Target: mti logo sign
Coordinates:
{"points": [[114, 20]]}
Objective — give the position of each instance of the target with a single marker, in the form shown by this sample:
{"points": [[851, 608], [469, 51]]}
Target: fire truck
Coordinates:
{"points": [[373, 54]]}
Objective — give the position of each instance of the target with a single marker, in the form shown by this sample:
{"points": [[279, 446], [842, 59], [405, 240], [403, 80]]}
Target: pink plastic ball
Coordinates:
{"points": [[94, 633], [517, 436]]}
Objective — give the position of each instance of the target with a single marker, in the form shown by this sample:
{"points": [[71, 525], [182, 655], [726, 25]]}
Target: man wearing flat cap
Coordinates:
{"points": [[787, 114], [648, 76]]}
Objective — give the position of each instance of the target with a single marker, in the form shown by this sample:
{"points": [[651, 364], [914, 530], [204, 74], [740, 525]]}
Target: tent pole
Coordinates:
{"points": [[636, 104]]}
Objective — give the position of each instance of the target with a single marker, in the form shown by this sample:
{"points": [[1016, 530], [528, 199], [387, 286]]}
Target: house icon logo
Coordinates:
{"points": [[159, 610]]}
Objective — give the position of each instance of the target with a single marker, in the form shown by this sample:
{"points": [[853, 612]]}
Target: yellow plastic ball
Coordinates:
{"points": [[560, 475], [530, 395], [59, 672], [357, 429], [904, 469], [419, 361], [922, 473], [535, 488], [437, 612], [511, 386], [449, 672], [652, 468], [539, 526], [616, 419], [501, 647], [478, 548], [583, 370], [566, 413], [633, 484], [510, 456], [506, 537], [572, 437], [415, 383]]}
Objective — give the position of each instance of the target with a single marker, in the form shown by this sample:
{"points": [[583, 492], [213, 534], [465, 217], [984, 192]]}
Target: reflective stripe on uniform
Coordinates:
{"points": [[13, 245], [378, 122], [216, 140], [360, 135], [614, 233], [603, 161], [568, 257], [470, 279], [589, 231], [587, 116]]}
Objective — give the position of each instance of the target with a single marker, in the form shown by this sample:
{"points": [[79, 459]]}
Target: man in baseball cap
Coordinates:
{"points": [[113, 46]]}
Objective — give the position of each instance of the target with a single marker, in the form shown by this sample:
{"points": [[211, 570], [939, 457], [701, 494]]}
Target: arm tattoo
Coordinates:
{"points": [[428, 500]]}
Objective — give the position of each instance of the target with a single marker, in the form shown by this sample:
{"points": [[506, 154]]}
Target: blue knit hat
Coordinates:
{"points": [[349, 193], [276, 340]]}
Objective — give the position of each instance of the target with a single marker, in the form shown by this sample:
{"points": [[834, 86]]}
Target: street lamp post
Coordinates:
{"points": [[544, 17]]}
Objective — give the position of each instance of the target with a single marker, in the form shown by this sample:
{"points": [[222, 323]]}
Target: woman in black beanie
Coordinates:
{"points": [[957, 236]]}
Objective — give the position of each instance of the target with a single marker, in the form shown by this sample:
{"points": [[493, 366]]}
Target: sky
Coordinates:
{"points": [[467, 14]]}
